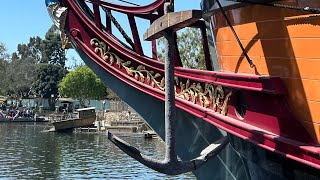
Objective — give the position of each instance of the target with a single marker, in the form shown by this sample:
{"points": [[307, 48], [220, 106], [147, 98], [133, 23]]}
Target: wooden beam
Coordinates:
{"points": [[97, 16], [174, 21], [135, 34]]}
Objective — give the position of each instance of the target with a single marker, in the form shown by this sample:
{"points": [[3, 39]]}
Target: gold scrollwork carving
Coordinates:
{"points": [[208, 96], [140, 73]]}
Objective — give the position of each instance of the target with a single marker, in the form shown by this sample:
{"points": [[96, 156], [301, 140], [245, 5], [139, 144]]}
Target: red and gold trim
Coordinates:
{"points": [[282, 43]]}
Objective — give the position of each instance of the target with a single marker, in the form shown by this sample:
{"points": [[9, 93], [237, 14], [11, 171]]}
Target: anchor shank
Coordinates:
{"points": [[170, 114], [170, 98]]}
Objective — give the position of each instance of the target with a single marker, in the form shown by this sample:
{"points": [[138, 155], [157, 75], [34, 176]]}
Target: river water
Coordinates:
{"points": [[27, 153]]}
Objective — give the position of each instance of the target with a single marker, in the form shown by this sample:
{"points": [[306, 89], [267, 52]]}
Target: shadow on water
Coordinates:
{"points": [[26, 153]]}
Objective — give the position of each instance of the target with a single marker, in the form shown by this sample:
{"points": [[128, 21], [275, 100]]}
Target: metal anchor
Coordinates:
{"points": [[171, 165]]}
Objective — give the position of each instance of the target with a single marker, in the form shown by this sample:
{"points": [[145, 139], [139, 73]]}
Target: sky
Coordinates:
{"points": [[21, 20]]}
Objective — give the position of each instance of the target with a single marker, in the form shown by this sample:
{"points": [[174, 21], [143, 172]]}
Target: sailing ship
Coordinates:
{"points": [[259, 89]]}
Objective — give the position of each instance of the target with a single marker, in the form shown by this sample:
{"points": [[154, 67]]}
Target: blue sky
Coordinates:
{"points": [[21, 20]]}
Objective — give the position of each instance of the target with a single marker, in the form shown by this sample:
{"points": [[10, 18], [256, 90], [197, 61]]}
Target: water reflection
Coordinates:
{"points": [[26, 153]]}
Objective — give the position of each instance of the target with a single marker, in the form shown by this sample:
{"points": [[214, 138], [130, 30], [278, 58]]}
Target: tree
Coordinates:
{"points": [[190, 48], [3, 69], [18, 73], [3, 52], [52, 48], [46, 80], [31, 50], [82, 84], [3, 66], [19, 77], [74, 63], [19, 70]]}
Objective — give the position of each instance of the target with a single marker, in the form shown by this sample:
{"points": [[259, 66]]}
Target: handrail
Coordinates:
{"points": [[91, 16], [271, 85], [109, 39], [255, 83], [146, 9]]}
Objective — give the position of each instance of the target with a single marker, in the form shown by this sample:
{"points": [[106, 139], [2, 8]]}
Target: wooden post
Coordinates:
{"points": [[97, 18], [135, 34]]}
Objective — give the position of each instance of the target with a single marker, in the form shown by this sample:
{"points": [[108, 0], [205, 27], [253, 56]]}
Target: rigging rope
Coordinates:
{"points": [[306, 9], [236, 36], [129, 2], [118, 26]]}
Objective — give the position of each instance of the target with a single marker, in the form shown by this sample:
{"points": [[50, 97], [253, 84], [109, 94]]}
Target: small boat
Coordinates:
{"points": [[80, 118], [16, 116]]}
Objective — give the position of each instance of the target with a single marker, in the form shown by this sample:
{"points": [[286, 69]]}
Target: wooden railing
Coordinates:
{"points": [[149, 13], [61, 117]]}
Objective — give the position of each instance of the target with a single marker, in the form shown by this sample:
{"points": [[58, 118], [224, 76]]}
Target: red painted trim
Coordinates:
{"points": [[97, 16], [300, 152], [154, 49], [268, 89], [177, 58], [147, 9], [239, 81], [135, 34]]}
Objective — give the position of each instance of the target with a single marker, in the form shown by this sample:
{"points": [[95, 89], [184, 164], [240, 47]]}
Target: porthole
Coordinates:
{"points": [[241, 105]]}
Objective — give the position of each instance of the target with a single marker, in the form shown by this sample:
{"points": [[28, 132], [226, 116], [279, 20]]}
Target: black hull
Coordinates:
{"points": [[239, 160]]}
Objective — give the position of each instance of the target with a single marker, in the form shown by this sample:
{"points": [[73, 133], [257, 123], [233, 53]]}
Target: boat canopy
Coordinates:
{"points": [[86, 109]]}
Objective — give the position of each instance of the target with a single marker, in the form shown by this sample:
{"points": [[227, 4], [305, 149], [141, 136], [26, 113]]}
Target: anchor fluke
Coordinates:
{"points": [[171, 164], [215, 148], [170, 167], [121, 143]]}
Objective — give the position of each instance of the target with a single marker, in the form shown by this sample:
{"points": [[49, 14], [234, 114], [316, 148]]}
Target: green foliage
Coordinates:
{"points": [[23, 74], [74, 63], [19, 77], [190, 48], [46, 81], [52, 48], [18, 73], [31, 50], [82, 84], [47, 78], [3, 66], [3, 52]]}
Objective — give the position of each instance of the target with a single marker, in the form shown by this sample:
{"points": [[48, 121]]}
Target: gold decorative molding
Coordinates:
{"points": [[140, 73], [209, 96]]}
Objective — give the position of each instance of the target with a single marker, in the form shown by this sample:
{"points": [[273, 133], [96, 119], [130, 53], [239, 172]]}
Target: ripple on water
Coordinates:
{"points": [[25, 153]]}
